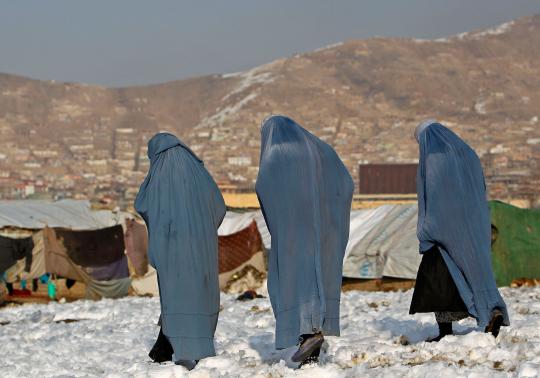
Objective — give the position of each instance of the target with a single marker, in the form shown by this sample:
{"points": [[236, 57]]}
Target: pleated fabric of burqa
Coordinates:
{"points": [[305, 193], [453, 214], [183, 208]]}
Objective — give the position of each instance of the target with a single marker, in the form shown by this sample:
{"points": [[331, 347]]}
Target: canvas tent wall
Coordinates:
{"points": [[515, 242]]}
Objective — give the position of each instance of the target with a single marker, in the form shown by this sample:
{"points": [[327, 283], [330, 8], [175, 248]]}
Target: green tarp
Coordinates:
{"points": [[515, 242]]}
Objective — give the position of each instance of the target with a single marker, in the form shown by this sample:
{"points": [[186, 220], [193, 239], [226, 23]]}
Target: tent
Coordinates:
{"points": [[515, 242], [70, 240], [99, 263]]}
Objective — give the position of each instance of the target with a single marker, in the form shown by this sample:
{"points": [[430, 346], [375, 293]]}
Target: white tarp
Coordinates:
{"points": [[71, 214], [361, 222], [383, 242]]}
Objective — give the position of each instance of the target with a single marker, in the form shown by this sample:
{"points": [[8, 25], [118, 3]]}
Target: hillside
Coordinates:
{"points": [[364, 97]]}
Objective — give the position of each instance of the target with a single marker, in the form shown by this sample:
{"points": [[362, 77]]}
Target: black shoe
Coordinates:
{"points": [[495, 323], [308, 345], [445, 329], [248, 295], [435, 339], [162, 350], [188, 364], [313, 359]]}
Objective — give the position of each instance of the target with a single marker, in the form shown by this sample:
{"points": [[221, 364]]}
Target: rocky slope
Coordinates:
{"points": [[364, 97]]}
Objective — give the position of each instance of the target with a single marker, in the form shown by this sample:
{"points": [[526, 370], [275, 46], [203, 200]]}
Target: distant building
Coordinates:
{"points": [[240, 160], [227, 187], [29, 190], [387, 179]]}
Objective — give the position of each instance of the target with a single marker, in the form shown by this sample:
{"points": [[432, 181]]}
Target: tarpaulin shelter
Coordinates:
{"points": [[70, 240], [58, 261], [515, 242]]}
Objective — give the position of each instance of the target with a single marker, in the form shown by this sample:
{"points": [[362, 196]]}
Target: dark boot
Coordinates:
{"points": [[308, 345], [188, 364], [162, 350], [445, 329], [313, 359], [495, 323]]}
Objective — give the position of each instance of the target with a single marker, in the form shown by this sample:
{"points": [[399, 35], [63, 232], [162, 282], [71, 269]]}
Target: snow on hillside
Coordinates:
{"points": [[253, 80], [112, 337], [497, 30]]}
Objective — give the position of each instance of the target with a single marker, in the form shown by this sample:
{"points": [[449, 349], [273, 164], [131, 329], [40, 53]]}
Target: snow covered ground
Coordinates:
{"points": [[112, 338]]}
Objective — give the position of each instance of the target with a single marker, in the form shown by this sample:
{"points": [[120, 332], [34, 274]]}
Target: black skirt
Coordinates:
{"points": [[435, 289]]}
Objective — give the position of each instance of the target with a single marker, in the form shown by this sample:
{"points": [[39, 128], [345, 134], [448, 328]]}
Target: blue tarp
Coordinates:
{"points": [[183, 208], [453, 214], [305, 193]]}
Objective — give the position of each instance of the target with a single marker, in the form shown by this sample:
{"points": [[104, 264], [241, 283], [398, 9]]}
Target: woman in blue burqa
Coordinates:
{"points": [[305, 193], [183, 208], [455, 279]]}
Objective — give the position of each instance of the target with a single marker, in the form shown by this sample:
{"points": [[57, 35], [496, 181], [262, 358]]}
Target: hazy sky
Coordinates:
{"points": [[129, 42]]}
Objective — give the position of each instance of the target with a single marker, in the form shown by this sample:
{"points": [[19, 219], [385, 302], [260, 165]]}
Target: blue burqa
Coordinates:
{"points": [[453, 214], [183, 208], [305, 193]]}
